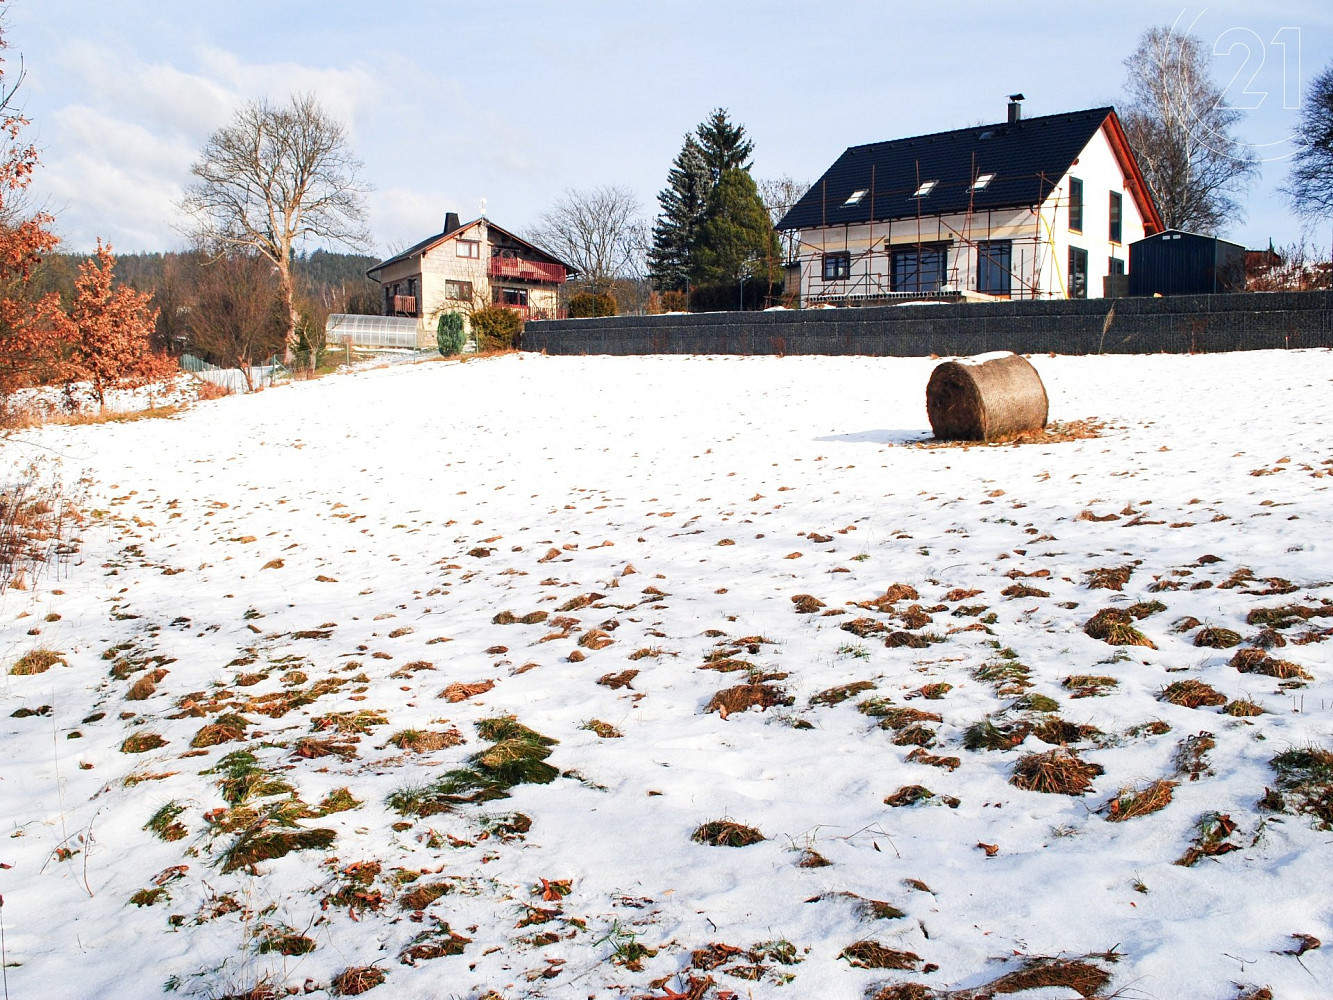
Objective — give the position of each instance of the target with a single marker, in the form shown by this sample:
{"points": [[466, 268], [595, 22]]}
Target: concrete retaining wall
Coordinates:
{"points": [[1177, 324]]}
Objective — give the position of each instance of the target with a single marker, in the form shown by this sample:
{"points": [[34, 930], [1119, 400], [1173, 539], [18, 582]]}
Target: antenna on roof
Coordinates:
{"points": [[482, 207], [1015, 107]]}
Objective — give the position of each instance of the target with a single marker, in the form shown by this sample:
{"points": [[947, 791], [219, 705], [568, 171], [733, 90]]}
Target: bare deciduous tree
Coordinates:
{"points": [[1181, 131], [274, 177], [1310, 186], [236, 313], [599, 232], [778, 196]]}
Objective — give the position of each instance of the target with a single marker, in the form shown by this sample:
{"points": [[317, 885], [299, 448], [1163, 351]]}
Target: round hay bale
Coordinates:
{"points": [[985, 397]]}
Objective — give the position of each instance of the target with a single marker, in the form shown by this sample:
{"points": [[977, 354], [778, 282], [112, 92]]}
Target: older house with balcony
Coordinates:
{"points": [[467, 266], [1034, 208]]}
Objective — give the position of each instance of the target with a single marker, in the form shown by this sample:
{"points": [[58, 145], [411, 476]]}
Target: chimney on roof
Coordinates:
{"points": [[1015, 108], [451, 223]]}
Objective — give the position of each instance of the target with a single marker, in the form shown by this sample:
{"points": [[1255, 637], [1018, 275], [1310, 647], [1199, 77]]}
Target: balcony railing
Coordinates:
{"points": [[404, 303], [526, 270]]}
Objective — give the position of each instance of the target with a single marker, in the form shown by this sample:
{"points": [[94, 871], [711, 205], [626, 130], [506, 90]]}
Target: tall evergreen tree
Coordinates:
{"points": [[736, 237], [683, 201], [723, 144]]}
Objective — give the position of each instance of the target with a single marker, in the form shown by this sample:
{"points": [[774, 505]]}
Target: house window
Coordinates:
{"points": [[994, 274], [855, 198], [1076, 204], [924, 189], [511, 296], [1078, 273], [980, 183], [918, 270], [1115, 266], [459, 291], [469, 248], [837, 266], [1115, 228]]}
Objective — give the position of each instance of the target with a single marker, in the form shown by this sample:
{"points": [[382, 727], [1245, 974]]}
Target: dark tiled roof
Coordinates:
{"points": [[431, 241], [1027, 158]]}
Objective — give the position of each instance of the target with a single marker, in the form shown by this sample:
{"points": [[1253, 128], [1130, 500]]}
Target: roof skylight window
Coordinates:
{"points": [[982, 181], [855, 197], [924, 189]]}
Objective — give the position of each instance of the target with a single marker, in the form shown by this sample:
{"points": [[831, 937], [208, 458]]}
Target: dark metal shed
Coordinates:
{"points": [[1177, 263]]}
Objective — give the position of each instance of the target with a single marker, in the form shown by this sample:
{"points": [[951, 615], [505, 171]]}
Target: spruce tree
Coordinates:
{"points": [[736, 236], [683, 201], [723, 144]]}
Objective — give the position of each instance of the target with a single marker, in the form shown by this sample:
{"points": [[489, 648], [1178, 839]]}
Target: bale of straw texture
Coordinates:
{"points": [[984, 398]]}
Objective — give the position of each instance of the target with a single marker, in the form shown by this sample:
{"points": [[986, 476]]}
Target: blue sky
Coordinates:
{"points": [[515, 101]]}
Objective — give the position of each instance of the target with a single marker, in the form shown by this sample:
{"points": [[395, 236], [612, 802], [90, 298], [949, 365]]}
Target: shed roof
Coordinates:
{"points": [[1027, 158]]}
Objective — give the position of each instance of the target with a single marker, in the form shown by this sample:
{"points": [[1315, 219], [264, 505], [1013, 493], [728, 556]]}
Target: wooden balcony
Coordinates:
{"points": [[405, 304], [526, 270]]}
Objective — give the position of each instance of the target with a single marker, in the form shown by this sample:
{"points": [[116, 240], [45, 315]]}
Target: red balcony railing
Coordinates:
{"points": [[527, 270]]}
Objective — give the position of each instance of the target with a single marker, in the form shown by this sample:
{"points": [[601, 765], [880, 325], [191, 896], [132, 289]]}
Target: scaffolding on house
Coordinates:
{"points": [[868, 266]]}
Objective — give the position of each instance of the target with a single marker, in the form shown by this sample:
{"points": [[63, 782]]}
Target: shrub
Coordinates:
{"points": [[587, 305], [497, 328], [449, 334]]}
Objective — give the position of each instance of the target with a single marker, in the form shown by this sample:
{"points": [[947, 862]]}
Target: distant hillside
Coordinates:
{"points": [[318, 271]]}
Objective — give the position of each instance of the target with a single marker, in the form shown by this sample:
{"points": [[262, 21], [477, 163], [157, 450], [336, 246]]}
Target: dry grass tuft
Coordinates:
{"points": [[906, 991], [37, 661], [224, 729], [355, 981], [142, 743], [1191, 756], [426, 741], [37, 524], [1115, 627], [1109, 578], [837, 695], [1056, 432], [421, 896], [615, 682], [1242, 708], [1210, 839], [1256, 661], [873, 955], [1079, 975], [746, 696], [909, 795], [1132, 803], [603, 729], [1055, 772], [1216, 638], [807, 604], [258, 845], [1305, 784], [1192, 694], [457, 691], [726, 833], [1088, 684]]}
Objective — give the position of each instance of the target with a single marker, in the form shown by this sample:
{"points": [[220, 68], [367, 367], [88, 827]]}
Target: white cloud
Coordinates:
{"points": [[117, 161]]}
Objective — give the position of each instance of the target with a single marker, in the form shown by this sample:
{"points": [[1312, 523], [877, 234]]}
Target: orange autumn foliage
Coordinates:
{"points": [[30, 328], [110, 331]]}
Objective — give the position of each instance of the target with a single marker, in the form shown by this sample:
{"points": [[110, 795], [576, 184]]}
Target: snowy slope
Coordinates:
{"points": [[351, 542]]}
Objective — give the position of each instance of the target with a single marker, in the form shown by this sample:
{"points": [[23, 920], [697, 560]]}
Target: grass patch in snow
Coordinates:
{"points": [[36, 661], [517, 756], [1131, 803], [1115, 627], [1055, 772], [1304, 785], [726, 833], [1192, 694]]}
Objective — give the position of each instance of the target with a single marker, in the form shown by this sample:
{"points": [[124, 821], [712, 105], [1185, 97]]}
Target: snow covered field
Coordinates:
{"points": [[293, 609]]}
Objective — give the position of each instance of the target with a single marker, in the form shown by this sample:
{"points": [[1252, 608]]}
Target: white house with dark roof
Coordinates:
{"points": [[469, 265], [1030, 208]]}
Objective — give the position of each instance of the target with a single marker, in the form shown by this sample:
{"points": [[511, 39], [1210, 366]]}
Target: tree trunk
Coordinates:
{"points": [[288, 300]]}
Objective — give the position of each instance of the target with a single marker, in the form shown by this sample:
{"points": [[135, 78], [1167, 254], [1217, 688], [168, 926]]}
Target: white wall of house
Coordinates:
{"points": [[1039, 238], [454, 276]]}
